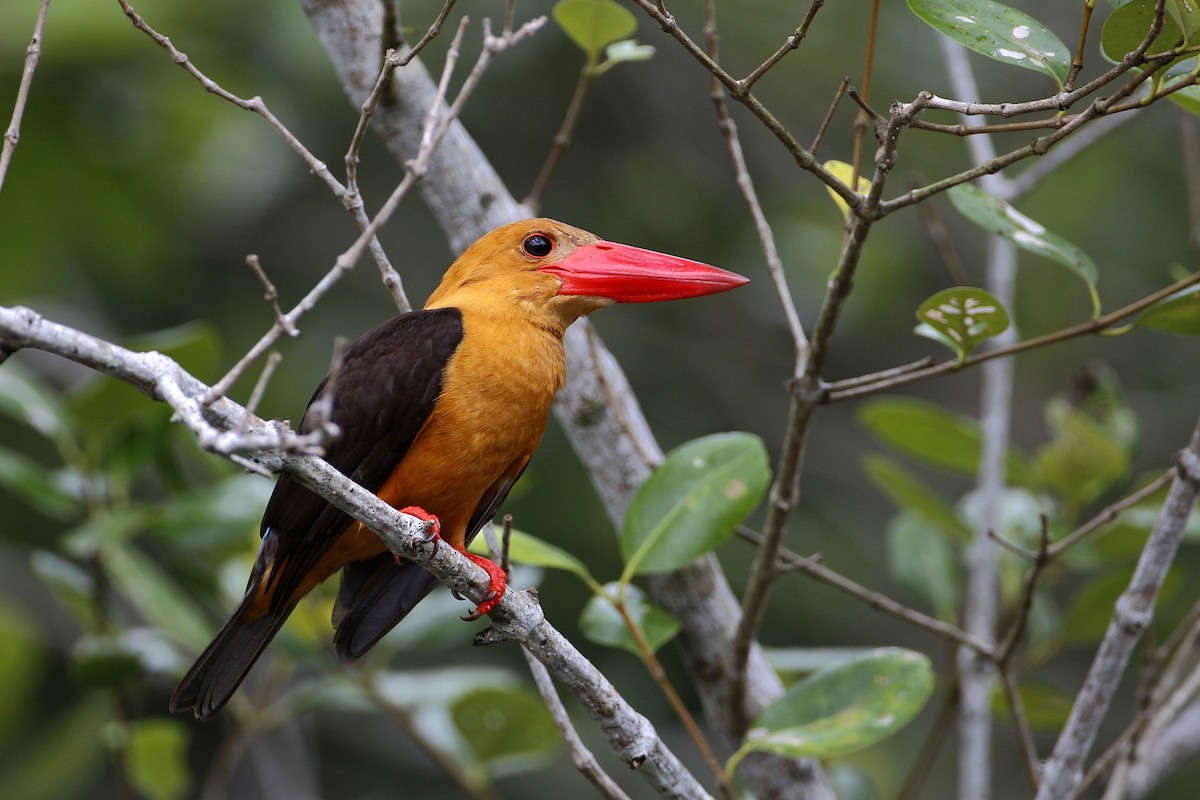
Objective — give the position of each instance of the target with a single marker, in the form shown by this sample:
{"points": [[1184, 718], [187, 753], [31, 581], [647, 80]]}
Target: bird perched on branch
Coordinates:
{"points": [[439, 411]]}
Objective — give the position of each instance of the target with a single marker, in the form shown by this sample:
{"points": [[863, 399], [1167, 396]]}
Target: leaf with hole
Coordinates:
{"points": [[961, 318], [998, 217], [998, 32], [844, 707]]}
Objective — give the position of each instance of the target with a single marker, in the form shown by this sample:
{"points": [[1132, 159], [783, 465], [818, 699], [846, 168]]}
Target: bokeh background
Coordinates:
{"points": [[135, 197]]}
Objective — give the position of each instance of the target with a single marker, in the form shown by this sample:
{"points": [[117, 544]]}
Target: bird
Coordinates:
{"points": [[437, 411]]}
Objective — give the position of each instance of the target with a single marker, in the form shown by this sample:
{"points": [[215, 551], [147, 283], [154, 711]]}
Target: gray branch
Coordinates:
{"points": [[1132, 614], [518, 617], [597, 408]]}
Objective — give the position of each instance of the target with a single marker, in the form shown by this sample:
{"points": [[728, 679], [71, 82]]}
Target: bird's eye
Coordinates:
{"points": [[537, 245]]}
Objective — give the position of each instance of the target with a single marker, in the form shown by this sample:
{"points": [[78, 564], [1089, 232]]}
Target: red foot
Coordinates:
{"points": [[499, 583]]}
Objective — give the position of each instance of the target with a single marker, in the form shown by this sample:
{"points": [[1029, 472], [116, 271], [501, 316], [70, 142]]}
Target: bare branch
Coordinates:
{"points": [[32, 54], [518, 617], [1133, 612], [860, 387], [581, 757]]}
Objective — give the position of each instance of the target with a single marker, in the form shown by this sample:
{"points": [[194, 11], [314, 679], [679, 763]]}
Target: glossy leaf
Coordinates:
{"points": [[505, 727], [998, 32], [692, 502], [1179, 313], [844, 707], [845, 173], [998, 217], [1127, 26], [961, 318], [594, 24], [907, 493], [156, 758], [925, 563], [603, 624], [931, 434]]}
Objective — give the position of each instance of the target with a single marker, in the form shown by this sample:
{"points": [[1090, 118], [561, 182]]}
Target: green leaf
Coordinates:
{"points": [[1128, 25], [1091, 609], [159, 601], [1183, 13], [844, 707], [799, 661], [509, 729], [1046, 705], [594, 24], [1178, 313], [30, 401], [931, 435], [1082, 461], [998, 32], [909, 494], [23, 663], [692, 502], [532, 551], [925, 563], [71, 585], [40, 488], [961, 318], [998, 217], [61, 756], [602, 623], [156, 759]]}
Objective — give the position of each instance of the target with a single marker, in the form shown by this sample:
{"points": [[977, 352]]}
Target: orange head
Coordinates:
{"points": [[560, 272]]}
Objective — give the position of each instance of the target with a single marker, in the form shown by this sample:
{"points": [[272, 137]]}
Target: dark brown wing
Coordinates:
{"points": [[382, 395], [386, 389]]}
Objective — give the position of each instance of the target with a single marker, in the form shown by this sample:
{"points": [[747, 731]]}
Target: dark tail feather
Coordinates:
{"points": [[223, 665], [374, 596]]}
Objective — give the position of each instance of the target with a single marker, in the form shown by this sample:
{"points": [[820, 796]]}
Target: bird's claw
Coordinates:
{"points": [[433, 531], [498, 585]]}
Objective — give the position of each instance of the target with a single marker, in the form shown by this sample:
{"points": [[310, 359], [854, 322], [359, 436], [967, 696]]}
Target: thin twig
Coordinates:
{"points": [[834, 393], [843, 84], [790, 561], [790, 44], [1133, 612], [562, 139], [581, 757], [745, 184], [32, 54], [271, 295], [1109, 514], [863, 96], [659, 674]]}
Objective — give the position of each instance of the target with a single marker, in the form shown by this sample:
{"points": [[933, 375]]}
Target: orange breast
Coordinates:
{"points": [[496, 396]]}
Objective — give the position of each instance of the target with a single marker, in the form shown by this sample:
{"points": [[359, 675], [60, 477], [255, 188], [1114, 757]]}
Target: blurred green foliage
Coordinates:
{"points": [[134, 198]]}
